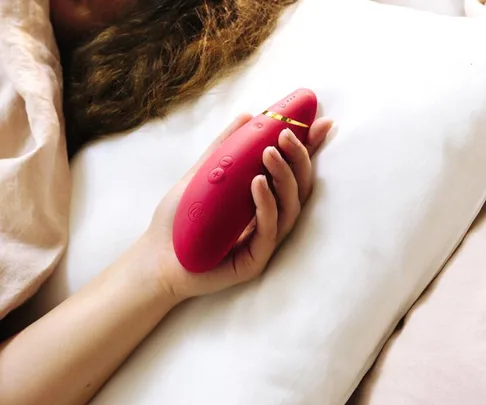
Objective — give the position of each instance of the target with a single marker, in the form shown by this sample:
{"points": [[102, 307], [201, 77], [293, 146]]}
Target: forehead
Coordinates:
{"points": [[79, 11], [80, 15], [108, 10]]}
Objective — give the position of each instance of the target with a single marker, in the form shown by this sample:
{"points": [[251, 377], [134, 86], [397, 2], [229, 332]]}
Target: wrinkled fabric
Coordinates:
{"points": [[34, 171], [438, 356]]}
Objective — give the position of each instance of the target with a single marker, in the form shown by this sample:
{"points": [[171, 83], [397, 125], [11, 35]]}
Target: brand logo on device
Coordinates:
{"points": [[196, 212]]}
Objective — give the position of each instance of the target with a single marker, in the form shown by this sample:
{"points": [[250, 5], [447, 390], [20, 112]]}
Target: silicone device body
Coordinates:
{"points": [[217, 204]]}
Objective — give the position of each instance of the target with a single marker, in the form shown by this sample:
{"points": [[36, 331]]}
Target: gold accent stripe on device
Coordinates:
{"points": [[280, 117]]}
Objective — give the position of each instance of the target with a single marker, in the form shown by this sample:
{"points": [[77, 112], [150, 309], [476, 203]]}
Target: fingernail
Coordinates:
{"points": [[264, 182], [290, 136], [274, 154], [332, 132]]}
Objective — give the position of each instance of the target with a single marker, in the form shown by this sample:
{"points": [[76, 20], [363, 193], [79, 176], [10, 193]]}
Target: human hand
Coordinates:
{"points": [[276, 215]]}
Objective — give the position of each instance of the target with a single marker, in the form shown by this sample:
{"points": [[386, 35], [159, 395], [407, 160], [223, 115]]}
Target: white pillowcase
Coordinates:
{"points": [[396, 190], [475, 8], [446, 7]]}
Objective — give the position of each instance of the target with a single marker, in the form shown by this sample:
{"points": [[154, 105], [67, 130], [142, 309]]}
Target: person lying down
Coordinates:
{"points": [[125, 62], [143, 57]]}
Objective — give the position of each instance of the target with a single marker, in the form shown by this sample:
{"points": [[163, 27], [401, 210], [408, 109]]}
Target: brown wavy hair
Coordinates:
{"points": [[163, 53]]}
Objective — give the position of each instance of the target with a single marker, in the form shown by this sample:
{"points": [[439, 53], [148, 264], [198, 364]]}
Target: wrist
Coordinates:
{"points": [[154, 266], [139, 270]]}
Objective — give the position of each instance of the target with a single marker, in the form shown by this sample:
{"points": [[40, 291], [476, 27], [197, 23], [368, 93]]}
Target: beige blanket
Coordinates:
{"points": [[438, 356], [34, 171]]}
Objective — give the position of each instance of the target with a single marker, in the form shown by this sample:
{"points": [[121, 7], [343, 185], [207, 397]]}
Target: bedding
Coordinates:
{"points": [[437, 355], [397, 188], [34, 172], [475, 8], [445, 7]]}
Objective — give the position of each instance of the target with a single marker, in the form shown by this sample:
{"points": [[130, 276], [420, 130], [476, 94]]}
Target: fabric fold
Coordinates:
{"points": [[34, 170]]}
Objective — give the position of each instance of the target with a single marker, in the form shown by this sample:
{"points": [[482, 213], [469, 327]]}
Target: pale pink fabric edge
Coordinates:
{"points": [[34, 170]]}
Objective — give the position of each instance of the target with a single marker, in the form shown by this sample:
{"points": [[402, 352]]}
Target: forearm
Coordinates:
{"points": [[66, 356]]}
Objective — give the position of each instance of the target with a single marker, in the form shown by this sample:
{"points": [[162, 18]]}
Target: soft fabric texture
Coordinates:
{"points": [[397, 187], [438, 356], [445, 7], [34, 172], [475, 8]]}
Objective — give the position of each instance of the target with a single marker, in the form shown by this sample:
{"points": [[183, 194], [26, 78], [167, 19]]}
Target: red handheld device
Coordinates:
{"points": [[217, 204]]}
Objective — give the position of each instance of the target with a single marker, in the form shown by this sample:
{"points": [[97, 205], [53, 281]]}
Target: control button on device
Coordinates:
{"points": [[216, 176], [196, 212], [258, 125], [226, 162], [282, 105]]}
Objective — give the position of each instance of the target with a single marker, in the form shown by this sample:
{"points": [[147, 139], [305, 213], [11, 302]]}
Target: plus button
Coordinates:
{"points": [[216, 176]]}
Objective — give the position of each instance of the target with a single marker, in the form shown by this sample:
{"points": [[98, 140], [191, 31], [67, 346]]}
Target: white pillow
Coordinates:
{"points": [[475, 8], [446, 7], [396, 190]]}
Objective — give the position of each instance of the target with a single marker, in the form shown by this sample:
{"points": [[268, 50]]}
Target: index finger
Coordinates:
{"points": [[317, 134]]}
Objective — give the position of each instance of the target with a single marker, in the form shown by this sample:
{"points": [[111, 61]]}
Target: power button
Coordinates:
{"points": [[196, 212]]}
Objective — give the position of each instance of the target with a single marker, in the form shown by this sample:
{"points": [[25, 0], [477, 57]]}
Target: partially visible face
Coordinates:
{"points": [[72, 19]]}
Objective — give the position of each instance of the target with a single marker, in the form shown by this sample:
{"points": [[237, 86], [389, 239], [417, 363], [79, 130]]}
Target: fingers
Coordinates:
{"points": [[252, 258], [286, 188], [317, 134], [247, 233], [276, 215], [298, 157]]}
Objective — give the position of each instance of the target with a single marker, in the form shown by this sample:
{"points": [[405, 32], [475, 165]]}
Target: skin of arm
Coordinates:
{"points": [[66, 356]]}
